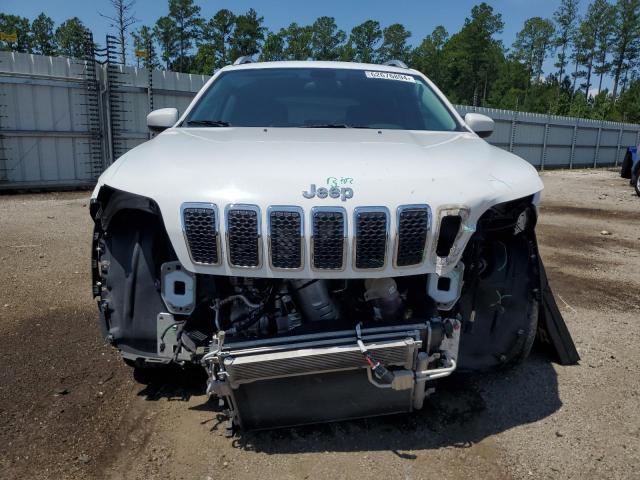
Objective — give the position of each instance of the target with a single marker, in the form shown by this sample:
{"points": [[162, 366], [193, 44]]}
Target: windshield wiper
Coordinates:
{"points": [[207, 123], [333, 125], [327, 125]]}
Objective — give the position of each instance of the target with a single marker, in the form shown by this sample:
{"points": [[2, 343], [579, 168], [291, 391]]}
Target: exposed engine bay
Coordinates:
{"points": [[282, 351]]}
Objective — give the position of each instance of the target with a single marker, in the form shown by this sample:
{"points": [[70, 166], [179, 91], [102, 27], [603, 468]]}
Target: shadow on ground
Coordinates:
{"points": [[466, 409]]}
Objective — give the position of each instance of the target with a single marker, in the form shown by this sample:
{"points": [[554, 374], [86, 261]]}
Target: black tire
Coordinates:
{"points": [[636, 185], [625, 170]]}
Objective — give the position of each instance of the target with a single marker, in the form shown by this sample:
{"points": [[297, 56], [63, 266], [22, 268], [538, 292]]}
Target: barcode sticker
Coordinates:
{"points": [[390, 76]]}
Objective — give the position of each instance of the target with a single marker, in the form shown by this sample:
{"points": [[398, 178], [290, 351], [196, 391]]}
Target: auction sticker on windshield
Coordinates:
{"points": [[390, 76]]}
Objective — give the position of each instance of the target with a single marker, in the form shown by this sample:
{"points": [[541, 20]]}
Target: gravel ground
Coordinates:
{"points": [[69, 408]]}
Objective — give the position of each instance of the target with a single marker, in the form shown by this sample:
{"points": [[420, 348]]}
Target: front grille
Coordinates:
{"points": [[413, 225], [243, 236], [371, 227], [285, 231], [285, 248], [200, 228], [328, 238]]}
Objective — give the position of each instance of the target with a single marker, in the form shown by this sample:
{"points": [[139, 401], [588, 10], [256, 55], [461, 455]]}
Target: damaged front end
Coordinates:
{"points": [[290, 351]]}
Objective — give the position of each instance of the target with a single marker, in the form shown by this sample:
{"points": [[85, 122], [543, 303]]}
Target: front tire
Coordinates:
{"points": [[636, 185]]}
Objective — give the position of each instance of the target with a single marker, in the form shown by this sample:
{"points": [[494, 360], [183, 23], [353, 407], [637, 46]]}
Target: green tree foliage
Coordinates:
{"points": [[471, 66], [13, 24], [474, 56], [72, 37], [533, 44], [326, 39], [248, 35], [186, 18], [273, 48], [429, 56], [213, 43], [565, 17], [394, 44], [593, 40], [626, 45], [628, 105], [145, 52], [298, 42], [364, 40], [603, 14], [43, 41], [165, 31]]}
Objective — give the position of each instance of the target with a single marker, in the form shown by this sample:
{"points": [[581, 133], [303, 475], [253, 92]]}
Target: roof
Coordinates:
{"points": [[319, 64]]}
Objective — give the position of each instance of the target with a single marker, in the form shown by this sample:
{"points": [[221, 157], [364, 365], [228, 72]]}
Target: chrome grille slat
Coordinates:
{"points": [[371, 225], [243, 236], [286, 235], [328, 238], [200, 227], [413, 223]]}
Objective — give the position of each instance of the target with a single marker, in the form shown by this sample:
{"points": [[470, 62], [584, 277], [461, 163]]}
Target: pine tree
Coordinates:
{"points": [[394, 44], [165, 31], [566, 18], [42, 39], [18, 26], [428, 57], [273, 48], [72, 37], [248, 35], [627, 40], [326, 39], [143, 46], [533, 44], [122, 19], [186, 17], [365, 39], [298, 42]]}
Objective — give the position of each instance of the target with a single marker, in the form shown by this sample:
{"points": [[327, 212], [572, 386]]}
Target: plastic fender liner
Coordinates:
{"points": [[506, 301], [130, 244], [550, 320]]}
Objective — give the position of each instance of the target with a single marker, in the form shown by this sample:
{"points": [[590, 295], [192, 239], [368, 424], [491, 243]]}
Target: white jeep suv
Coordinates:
{"points": [[326, 239]]}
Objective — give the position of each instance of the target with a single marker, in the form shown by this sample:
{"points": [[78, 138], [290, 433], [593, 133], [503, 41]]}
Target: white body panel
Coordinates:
{"points": [[273, 166]]}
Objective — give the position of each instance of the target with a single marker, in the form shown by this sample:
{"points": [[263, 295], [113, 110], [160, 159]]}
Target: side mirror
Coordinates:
{"points": [[161, 119], [481, 124]]}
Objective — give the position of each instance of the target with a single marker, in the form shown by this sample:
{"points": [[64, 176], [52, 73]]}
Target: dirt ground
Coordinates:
{"points": [[69, 408]]}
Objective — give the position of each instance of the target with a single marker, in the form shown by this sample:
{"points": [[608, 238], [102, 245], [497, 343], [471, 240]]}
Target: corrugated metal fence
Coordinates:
{"points": [[549, 141], [62, 121]]}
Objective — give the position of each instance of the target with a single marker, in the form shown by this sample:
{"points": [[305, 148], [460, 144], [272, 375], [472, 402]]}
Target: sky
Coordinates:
{"points": [[418, 16]]}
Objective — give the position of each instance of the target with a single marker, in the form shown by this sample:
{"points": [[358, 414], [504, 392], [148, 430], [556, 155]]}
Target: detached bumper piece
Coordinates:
{"points": [[331, 376]]}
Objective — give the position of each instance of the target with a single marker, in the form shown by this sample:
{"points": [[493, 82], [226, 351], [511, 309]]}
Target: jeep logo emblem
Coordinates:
{"points": [[343, 193]]}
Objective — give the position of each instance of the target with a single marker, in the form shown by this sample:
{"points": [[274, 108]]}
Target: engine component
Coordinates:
{"points": [[312, 297], [445, 289], [178, 288], [289, 317], [169, 344], [384, 297], [381, 366]]}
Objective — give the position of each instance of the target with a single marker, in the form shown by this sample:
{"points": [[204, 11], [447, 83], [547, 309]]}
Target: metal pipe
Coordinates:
{"points": [[437, 372]]}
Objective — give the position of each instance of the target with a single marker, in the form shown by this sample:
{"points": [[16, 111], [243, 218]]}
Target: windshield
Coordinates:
{"points": [[320, 98]]}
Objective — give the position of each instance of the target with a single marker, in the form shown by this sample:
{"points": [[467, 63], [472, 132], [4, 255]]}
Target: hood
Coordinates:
{"points": [[293, 166], [256, 165]]}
